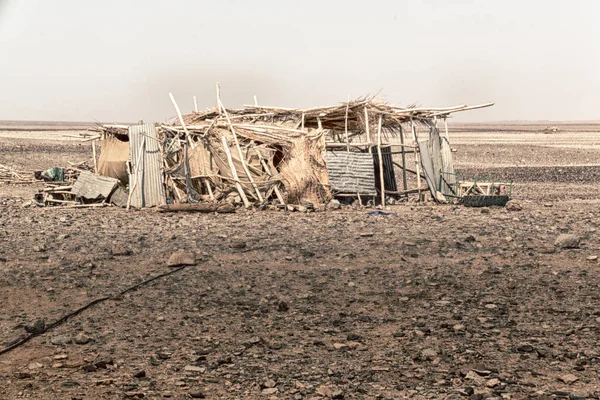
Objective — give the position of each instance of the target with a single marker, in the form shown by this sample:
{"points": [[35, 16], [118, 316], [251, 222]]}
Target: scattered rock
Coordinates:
{"points": [[194, 368], [82, 338], [334, 205], [427, 354], [367, 234], [567, 241], [238, 244], [270, 383], [38, 326], [120, 251], [492, 383], [513, 206], [525, 348], [35, 365], [282, 306], [61, 340], [568, 379], [269, 391], [197, 395], [133, 395], [139, 374], [181, 258]]}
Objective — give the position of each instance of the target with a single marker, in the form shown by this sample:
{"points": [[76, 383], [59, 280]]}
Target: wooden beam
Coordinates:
{"points": [[380, 157]]}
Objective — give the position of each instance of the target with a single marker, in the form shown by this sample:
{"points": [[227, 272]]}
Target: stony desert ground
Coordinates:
{"points": [[435, 302]]}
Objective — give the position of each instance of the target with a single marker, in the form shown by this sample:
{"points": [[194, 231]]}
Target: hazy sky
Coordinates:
{"points": [[117, 60]]}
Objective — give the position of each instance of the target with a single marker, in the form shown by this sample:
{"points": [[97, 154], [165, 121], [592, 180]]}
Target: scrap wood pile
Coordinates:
{"points": [[74, 186], [10, 175]]}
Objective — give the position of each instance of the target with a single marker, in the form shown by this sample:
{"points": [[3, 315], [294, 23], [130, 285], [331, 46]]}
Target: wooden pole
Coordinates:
{"points": [[446, 129], [346, 126], [239, 149], [195, 104], [238, 186], [404, 182], [367, 129], [187, 134], [380, 157], [94, 155], [255, 100], [417, 157]]}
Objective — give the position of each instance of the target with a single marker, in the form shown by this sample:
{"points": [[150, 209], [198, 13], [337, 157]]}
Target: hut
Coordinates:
{"points": [[365, 149]]}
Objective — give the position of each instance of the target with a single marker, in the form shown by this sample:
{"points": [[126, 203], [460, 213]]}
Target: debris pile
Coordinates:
{"points": [[9, 175]]}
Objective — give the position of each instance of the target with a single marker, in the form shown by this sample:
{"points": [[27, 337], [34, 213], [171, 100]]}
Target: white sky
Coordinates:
{"points": [[117, 60]]}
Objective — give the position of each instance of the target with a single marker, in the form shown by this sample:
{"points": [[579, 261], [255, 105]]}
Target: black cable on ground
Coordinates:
{"points": [[64, 318]]}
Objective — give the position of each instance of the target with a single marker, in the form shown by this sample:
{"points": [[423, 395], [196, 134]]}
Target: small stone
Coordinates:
{"points": [[89, 368], [458, 328], [324, 391], [492, 383], [238, 244], [61, 340], [269, 384], [36, 327], [34, 365], [140, 374], [525, 348], [120, 251], [334, 205], [592, 258], [567, 241], [269, 391], [131, 395], [282, 306], [569, 379], [197, 395], [194, 368], [60, 357], [181, 258], [428, 354], [367, 234], [82, 338], [340, 346], [513, 206], [301, 209], [351, 284]]}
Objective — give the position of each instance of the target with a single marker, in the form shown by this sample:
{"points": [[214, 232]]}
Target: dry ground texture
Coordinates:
{"points": [[436, 302]]}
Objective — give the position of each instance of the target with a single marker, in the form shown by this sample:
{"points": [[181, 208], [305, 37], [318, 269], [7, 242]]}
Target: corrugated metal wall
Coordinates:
{"points": [[350, 173], [146, 178], [389, 177]]}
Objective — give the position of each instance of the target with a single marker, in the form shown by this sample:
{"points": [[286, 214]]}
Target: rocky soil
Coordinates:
{"points": [[435, 302]]}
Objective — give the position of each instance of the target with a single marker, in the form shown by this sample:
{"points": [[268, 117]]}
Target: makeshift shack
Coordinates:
{"points": [[366, 148]]}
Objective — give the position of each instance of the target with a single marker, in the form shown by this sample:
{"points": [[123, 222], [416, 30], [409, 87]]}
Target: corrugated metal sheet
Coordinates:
{"points": [[350, 172], [146, 178], [93, 187], [389, 177], [448, 168]]}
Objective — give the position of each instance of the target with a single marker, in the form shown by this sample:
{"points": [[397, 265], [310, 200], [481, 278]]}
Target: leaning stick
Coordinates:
{"points": [[195, 104], [417, 164], [187, 134], [237, 145], [94, 155], [234, 173], [380, 157], [346, 126], [367, 128]]}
